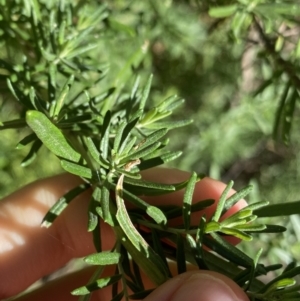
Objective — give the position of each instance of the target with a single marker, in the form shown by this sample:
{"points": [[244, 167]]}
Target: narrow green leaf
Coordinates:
{"points": [[278, 8], [147, 188], [61, 97], [228, 251], [156, 161], [135, 88], [76, 169], [175, 104], [104, 144], [149, 140], [126, 146], [180, 255], [240, 22], [188, 199], [103, 258], [169, 124], [282, 209], [237, 196], [32, 153], [62, 203], [95, 153], [51, 136], [149, 261], [290, 266], [13, 124], [104, 95], [131, 232], [237, 217], [94, 224], [138, 247], [135, 115], [288, 116], [118, 137], [279, 111], [127, 130], [35, 100], [289, 274], [145, 93], [156, 117], [147, 117], [237, 233], [257, 256], [140, 153], [256, 206], [223, 11], [100, 283], [94, 202], [19, 95], [166, 103], [280, 284], [61, 32], [78, 51], [221, 203], [52, 84], [105, 201], [196, 252], [212, 227], [200, 232], [26, 140], [251, 228], [157, 215]]}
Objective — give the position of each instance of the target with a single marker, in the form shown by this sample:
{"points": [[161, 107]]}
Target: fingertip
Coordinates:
{"points": [[199, 285]]}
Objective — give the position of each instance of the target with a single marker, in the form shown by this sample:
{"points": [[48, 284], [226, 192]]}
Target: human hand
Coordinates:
{"points": [[29, 252]]}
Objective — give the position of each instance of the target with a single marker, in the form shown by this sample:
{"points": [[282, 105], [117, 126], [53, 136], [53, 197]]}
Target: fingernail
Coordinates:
{"points": [[198, 286]]}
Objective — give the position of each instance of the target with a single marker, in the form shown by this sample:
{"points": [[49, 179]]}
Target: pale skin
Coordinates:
{"points": [[29, 252]]}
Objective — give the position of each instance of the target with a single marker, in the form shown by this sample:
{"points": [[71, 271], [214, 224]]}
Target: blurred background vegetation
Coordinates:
{"points": [[236, 63]]}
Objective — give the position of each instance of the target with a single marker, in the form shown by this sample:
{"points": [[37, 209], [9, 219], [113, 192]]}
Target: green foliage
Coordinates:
{"points": [[85, 98]]}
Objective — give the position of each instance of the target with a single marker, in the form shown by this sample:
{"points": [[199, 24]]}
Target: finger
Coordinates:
{"points": [[36, 251], [198, 286]]}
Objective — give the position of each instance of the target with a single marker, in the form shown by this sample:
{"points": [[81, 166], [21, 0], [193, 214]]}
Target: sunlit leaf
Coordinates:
{"points": [[51, 136], [103, 258], [237, 196]]}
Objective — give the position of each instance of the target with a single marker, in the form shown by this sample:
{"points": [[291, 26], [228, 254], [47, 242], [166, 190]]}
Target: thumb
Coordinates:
{"points": [[198, 286]]}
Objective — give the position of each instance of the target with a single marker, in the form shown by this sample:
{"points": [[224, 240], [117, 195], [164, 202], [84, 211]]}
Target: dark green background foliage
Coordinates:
{"points": [[236, 64]]}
